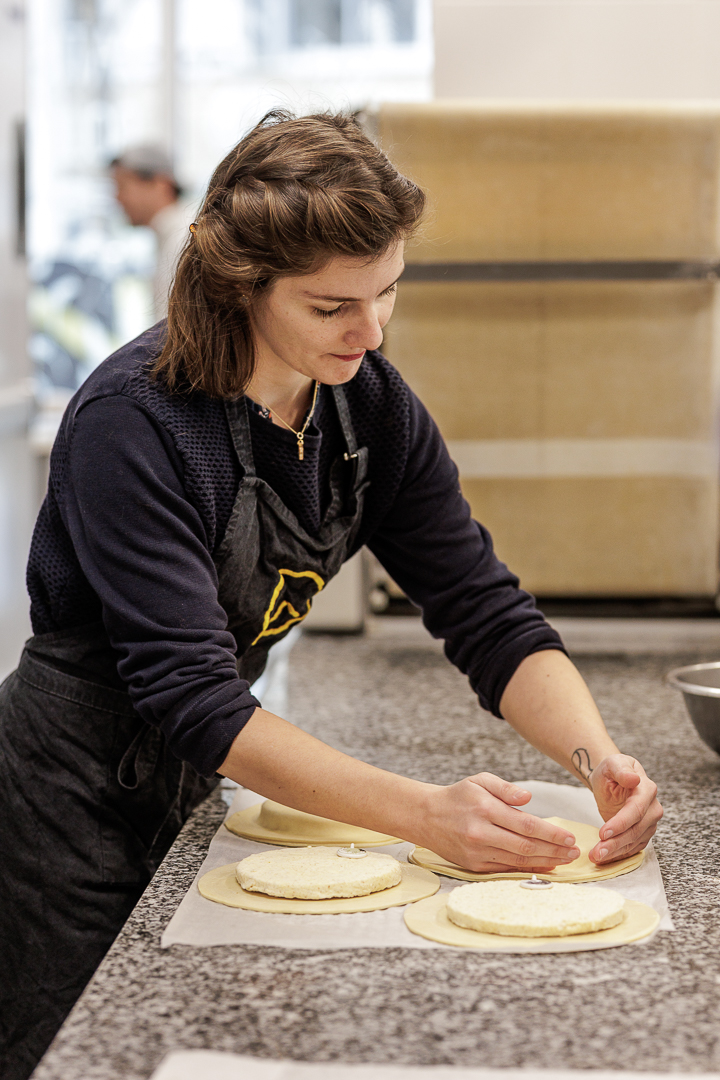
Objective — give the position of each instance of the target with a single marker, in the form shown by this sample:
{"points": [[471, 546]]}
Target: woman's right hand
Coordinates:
{"points": [[475, 824]]}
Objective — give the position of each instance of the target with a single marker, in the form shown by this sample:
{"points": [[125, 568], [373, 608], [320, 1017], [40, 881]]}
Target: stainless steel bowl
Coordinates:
{"points": [[700, 686]]}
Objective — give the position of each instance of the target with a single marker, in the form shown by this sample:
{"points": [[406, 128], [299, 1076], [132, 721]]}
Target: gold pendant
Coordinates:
{"points": [[301, 450]]}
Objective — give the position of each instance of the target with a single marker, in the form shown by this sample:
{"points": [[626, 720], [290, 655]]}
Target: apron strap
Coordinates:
{"points": [[345, 421], [237, 417]]}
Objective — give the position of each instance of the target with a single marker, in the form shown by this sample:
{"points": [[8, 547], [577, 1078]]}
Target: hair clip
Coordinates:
{"points": [[193, 227]]}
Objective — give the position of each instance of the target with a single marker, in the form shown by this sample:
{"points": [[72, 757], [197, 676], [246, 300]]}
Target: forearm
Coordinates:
{"points": [[284, 763], [473, 822], [549, 704]]}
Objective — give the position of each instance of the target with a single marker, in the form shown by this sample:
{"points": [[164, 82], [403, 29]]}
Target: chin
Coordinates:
{"points": [[340, 373]]}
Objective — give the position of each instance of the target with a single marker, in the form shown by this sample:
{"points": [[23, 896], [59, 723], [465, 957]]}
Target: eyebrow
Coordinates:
{"points": [[348, 299]]}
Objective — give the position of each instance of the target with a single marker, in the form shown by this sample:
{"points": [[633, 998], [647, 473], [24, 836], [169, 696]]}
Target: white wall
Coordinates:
{"points": [[12, 263], [577, 48], [18, 486]]}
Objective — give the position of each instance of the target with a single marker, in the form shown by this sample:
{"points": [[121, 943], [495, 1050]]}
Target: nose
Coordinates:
{"points": [[365, 331]]}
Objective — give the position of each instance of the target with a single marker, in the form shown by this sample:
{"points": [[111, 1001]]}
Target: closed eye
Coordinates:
{"points": [[326, 313]]}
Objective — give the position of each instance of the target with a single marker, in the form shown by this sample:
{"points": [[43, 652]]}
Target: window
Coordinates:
{"points": [[189, 74], [351, 22], [303, 24]]}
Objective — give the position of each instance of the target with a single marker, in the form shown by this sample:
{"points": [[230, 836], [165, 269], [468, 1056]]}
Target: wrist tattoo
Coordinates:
{"points": [[582, 764]]}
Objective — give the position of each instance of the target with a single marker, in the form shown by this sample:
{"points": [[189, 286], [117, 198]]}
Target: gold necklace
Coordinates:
{"points": [[300, 435]]}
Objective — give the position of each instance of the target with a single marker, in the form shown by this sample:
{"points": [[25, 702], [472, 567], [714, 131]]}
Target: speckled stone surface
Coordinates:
{"points": [[400, 705]]}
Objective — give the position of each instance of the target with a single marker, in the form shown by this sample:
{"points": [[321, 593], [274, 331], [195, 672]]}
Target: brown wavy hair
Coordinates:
{"points": [[292, 194]]}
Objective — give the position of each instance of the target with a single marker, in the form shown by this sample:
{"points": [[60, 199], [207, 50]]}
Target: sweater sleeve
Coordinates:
{"points": [[444, 561], [142, 546]]}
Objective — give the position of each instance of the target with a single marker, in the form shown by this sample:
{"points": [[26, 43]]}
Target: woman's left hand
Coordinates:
{"points": [[627, 800]]}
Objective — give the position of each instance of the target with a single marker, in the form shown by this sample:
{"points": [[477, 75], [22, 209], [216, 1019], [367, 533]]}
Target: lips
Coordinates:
{"points": [[349, 357]]}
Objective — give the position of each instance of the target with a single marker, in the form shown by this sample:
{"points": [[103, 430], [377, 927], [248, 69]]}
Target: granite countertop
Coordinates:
{"points": [[399, 704]]}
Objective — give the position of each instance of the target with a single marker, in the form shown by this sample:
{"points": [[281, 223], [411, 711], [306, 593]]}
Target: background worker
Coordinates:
{"points": [[150, 195]]}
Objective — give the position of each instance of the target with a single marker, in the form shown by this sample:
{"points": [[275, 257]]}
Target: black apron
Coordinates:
{"points": [[91, 797]]}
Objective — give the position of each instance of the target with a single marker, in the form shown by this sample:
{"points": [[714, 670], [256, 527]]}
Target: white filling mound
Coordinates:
{"points": [[503, 907], [316, 873]]}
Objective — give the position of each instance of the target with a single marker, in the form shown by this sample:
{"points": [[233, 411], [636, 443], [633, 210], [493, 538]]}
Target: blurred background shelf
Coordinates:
{"points": [[569, 350]]}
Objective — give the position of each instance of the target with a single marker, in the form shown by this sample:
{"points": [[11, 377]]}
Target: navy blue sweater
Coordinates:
{"points": [[142, 484]]}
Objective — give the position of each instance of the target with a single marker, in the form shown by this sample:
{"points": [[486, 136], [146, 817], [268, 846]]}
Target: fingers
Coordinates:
{"points": [[493, 858], [629, 842], [618, 772], [500, 809], [623, 774], [527, 825], [640, 806], [528, 838], [526, 850], [478, 821], [501, 789], [627, 798], [497, 861], [632, 813], [520, 835], [602, 854]]}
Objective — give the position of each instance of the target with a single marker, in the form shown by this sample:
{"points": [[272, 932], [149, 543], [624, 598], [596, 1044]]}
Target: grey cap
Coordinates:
{"points": [[147, 159]]}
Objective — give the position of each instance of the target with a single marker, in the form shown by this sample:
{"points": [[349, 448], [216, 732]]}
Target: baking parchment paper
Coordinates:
{"points": [[215, 1065], [198, 921]]}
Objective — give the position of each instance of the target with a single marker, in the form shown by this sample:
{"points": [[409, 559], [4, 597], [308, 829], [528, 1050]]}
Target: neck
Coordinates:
{"points": [[289, 399]]}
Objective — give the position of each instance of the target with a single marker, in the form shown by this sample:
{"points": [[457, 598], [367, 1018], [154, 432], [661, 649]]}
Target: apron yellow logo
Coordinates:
{"points": [[274, 613]]}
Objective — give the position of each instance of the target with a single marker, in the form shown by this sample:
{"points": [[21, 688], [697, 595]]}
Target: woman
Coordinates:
{"points": [[206, 482]]}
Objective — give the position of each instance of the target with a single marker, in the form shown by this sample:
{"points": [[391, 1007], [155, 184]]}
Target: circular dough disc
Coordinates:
{"points": [[429, 919], [582, 869], [248, 824], [222, 886]]}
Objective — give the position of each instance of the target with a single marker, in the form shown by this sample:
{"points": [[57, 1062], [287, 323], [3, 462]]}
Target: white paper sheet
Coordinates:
{"points": [[198, 921], [213, 1065]]}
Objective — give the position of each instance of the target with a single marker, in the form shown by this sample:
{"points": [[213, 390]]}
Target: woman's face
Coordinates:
{"points": [[319, 325]]}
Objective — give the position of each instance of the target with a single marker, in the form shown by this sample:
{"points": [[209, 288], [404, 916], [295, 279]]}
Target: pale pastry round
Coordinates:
{"points": [[272, 823], [581, 869], [505, 907], [277, 818], [428, 918], [316, 873]]}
